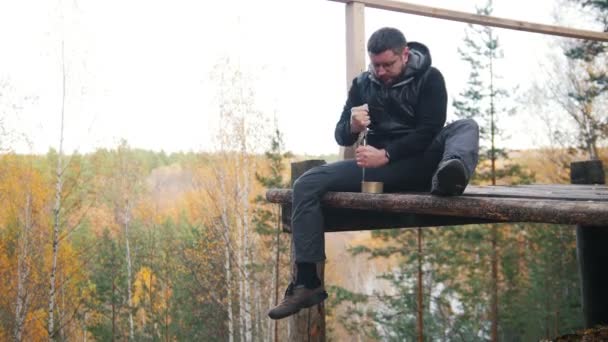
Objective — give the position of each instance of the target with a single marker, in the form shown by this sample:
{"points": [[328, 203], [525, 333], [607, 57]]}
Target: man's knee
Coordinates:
{"points": [[471, 124], [468, 124], [310, 181]]}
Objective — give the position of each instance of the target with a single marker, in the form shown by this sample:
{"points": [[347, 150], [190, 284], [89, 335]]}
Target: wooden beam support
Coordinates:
{"points": [[344, 219], [491, 208], [308, 324], [397, 6], [355, 41], [355, 53], [591, 251]]}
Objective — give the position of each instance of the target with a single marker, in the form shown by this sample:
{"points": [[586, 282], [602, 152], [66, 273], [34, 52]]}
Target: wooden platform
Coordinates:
{"points": [[541, 203]]}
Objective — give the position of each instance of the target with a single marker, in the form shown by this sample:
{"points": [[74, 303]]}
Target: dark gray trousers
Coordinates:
{"points": [[459, 139]]}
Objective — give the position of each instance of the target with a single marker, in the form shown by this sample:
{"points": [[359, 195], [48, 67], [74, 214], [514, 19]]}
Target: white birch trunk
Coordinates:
{"points": [[242, 306], [127, 218], [229, 295], [23, 272], [238, 250], [245, 250], [61, 309], [56, 210], [226, 232], [258, 328], [84, 328]]}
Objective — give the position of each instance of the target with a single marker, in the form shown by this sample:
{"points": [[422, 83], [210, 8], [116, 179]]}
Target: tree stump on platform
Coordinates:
{"points": [[592, 251], [308, 324]]}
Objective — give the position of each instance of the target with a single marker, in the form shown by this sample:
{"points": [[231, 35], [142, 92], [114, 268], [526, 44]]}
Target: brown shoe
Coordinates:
{"points": [[297, 298]]}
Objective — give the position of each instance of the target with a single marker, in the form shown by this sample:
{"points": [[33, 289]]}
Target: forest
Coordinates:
{"points": [[130, 244]]}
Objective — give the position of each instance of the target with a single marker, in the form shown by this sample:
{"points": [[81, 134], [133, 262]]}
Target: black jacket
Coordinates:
{"points": [[405, 116]]}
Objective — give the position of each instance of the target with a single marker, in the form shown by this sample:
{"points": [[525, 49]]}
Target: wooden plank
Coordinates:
{"points": [[539, 192], [344, 219], [499, 209], [355, 53], [593, 187], [519, 25]]}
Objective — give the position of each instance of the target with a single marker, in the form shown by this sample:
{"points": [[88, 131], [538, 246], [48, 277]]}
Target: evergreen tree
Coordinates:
{"points": [[393, 316], [110, 286], [269, 270], [484, 100]]}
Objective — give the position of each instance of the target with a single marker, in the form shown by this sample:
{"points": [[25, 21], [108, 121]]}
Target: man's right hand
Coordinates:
{"points": [[359, 118]]}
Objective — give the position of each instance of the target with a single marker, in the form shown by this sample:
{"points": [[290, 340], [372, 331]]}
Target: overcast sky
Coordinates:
{"points": [[141, 70]]}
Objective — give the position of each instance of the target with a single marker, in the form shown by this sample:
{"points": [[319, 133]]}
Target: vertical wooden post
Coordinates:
{"points": [[592, 251], [420, 299], [355, 52], [308, 324]]}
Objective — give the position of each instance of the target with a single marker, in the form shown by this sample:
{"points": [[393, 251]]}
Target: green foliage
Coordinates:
{"points": [[482, 97], [266, 215], [271, 268], [585, 84], [109, 283], [588, 50], [485, 101], [198, 285], [538, 285], [186, 294]]}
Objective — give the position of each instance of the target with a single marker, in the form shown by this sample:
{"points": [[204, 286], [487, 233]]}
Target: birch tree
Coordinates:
{"points": [[22, 224], [57, 207], [123, 194], [238, 135], [23, 300], [576, 89]]}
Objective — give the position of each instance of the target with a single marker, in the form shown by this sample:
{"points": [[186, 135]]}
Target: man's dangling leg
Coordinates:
{"points": [[308, 230]]}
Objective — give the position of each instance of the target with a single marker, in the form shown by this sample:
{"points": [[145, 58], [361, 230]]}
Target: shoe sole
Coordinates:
{"points": [[312, 301], [453, 176]]}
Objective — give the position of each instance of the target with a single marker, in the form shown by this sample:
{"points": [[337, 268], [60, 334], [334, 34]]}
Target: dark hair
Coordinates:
{"points": [[386, 38]]}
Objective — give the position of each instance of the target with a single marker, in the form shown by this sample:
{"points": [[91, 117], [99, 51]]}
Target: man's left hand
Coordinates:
{"points": [[370, 157]]}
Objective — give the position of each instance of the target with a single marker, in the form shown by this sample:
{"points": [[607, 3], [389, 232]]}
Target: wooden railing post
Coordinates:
{"points": [[592, 251], [355, 52], [308, 324]]}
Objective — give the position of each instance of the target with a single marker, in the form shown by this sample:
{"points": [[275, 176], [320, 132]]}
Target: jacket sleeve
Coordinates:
{"points": [[343, 135], [431, 115]]}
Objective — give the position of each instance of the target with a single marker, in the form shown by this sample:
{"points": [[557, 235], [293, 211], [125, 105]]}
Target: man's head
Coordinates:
{"points": [[388, 52]]}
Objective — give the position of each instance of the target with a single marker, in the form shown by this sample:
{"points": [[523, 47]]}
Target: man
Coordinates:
{"points": [[400, 105]]}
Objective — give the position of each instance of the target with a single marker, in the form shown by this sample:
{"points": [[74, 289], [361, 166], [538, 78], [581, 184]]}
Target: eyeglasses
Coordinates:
{"points": [[386, 66]]}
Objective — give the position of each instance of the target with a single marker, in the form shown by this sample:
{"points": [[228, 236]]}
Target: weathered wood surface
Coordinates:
{"points": [[308, 324], [519, 25], [560, 204], [556, 192], [344, 219], [591, 251]]}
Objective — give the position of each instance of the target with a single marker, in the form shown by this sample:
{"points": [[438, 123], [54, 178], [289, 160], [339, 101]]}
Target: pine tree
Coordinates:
{"points": [[484, 100], [267, 222], [109, 284]]}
